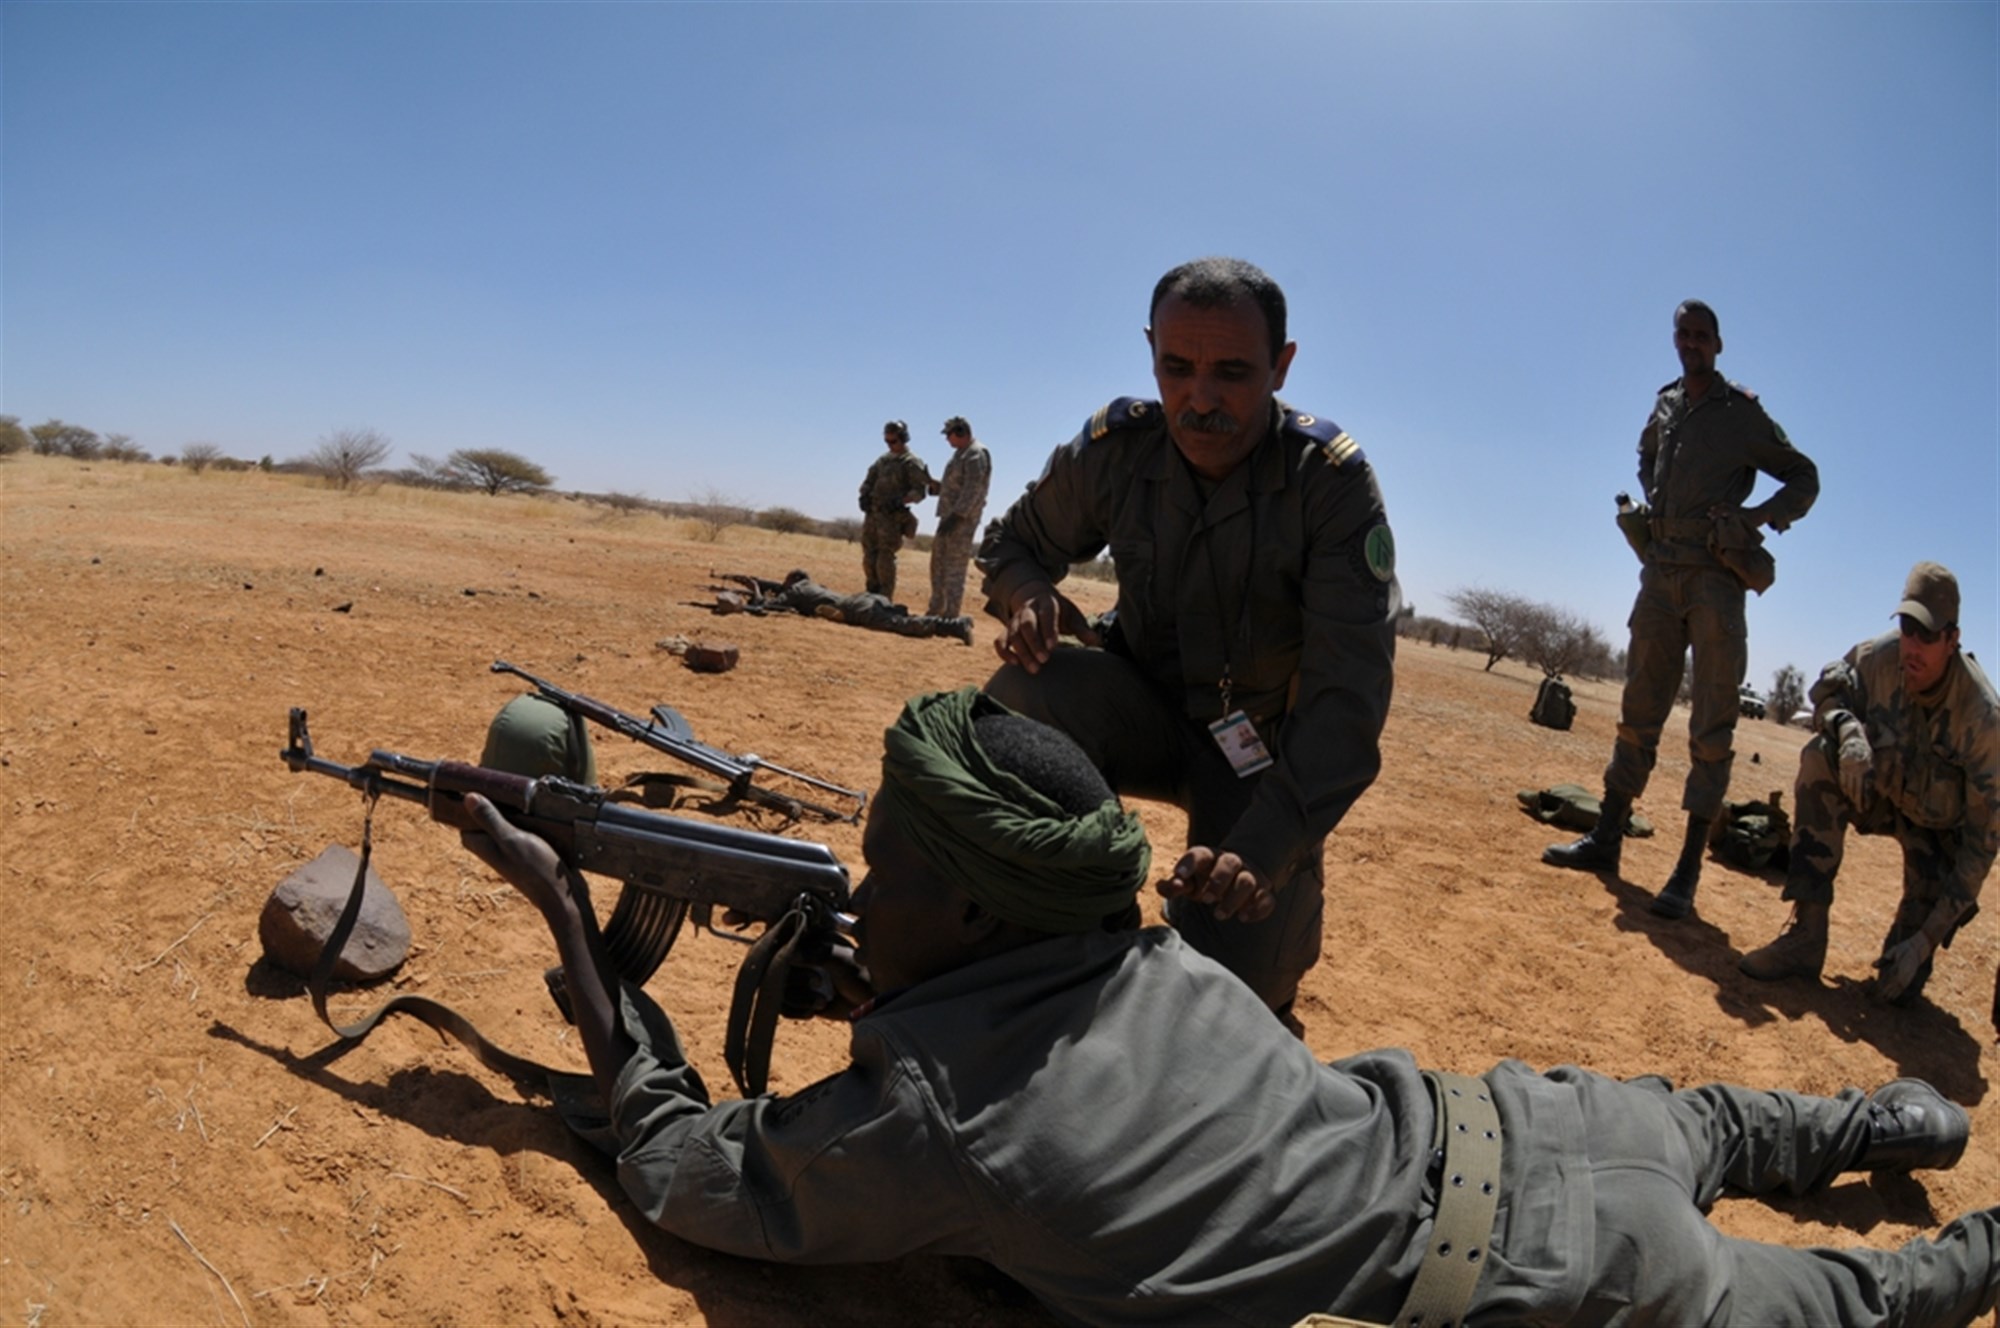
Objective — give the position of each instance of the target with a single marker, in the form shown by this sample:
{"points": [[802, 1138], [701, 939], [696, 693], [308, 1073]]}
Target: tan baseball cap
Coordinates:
{"points": [[1931, 597]]}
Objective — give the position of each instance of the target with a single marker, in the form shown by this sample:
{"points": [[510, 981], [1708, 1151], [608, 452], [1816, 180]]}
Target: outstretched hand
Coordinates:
{"points": [[1231, 886], [525, 861], [1039, 618]]}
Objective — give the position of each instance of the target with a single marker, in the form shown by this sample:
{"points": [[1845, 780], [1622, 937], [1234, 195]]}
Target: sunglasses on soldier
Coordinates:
{"points": [[1911, 627]]}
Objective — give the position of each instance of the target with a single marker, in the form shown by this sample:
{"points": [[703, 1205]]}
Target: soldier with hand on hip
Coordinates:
{"points": [[1699, 457]]}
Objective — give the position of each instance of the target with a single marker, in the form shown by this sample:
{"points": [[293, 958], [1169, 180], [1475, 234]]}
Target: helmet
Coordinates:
{"points": [[900, 429]]}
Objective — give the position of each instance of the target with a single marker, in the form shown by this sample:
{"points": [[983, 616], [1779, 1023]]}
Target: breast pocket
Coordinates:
{"points": [[1934, 792]]}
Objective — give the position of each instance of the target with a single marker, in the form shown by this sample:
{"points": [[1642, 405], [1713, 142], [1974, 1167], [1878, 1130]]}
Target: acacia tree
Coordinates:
{"points": [[1557, 642], [496, 470], [13, 438], [1788, 694], [55, 438], [120, 447], [1498, 615], [345, 453]]}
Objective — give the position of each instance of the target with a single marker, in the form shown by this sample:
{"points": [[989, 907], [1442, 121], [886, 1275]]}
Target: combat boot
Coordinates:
{"points": [[1912, 1127], [1601, 848], [960, 628], [1676, 900], [1799, 951]]}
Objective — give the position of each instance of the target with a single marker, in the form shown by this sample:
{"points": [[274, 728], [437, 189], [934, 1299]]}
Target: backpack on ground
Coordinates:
{"points": [[1553, 708]]}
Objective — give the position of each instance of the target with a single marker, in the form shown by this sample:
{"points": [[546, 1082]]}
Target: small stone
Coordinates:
{"points": [[302, 911], [711, 656], [344, 608]]}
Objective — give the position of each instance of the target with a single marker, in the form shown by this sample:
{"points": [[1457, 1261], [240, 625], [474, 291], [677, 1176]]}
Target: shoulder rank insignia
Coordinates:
{"points": [[1740, 389], [1124, 413], [1335, 442]]}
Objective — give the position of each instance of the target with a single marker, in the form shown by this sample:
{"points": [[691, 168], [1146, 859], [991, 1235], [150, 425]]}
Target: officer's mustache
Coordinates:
{"points": [[1215, 421]]}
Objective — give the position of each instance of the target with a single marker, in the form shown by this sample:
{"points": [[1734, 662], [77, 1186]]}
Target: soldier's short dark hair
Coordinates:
{"points": [[1046, 760], [1210, 283], [1700, 307]]}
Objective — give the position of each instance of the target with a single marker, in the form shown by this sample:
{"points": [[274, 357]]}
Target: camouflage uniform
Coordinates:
{"points": [[1693, 459], [1278, 582], [961, 500], [894, 482], [1936, 783]]}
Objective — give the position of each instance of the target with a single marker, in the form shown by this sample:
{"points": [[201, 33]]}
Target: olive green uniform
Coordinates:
{"points": [[890, 486], [1117, 1125], [1935, 786], [1694, 459], [1272, 592]]}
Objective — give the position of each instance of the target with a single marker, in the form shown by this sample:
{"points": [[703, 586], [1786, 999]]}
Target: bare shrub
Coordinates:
{"points": [[120, 447], [714, 512], [624, 502], [198, 457], [784, 520], [344, 454]]}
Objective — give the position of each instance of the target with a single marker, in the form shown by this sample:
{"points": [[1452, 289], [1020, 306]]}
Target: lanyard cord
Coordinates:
{"points": [[1215, 580]]}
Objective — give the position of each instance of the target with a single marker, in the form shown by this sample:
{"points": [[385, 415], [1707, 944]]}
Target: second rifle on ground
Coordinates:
{"points": [[668, 731]]}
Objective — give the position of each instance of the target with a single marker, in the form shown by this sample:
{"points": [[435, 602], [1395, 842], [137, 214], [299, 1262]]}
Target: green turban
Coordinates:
{"points": [[991, 834]]}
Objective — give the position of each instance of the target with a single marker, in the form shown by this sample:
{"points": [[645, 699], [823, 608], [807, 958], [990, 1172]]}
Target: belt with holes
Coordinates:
{"points": [[1468, 1132]]}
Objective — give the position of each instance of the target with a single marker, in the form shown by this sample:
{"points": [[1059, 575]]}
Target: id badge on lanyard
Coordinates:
{"points": [[1237, 737]]}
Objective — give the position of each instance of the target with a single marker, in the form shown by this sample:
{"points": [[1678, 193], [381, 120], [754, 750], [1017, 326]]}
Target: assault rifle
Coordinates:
{"points": [[669, 866], [668, 731]]}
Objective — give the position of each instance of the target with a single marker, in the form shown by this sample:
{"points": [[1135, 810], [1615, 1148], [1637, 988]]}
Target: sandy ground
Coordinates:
{"points": [[173, 1152]]}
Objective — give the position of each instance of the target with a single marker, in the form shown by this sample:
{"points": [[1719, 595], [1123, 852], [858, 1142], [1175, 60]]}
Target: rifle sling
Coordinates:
{"points": [[753, 1009], [760, 991], [435, 1013]]}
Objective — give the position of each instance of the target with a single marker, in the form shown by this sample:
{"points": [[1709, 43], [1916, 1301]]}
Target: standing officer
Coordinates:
{"points": [[961, 500], [1699, 456], [897, 479], [1907, 743], [1247, 676]]}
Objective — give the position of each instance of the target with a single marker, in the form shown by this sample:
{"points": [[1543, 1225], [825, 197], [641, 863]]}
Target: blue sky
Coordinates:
{"points": [[668, 249]]}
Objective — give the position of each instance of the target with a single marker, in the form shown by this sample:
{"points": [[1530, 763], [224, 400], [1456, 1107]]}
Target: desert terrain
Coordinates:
{"points": [[174, 1151]]}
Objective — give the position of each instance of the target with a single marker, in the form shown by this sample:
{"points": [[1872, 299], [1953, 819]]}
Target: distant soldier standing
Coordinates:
{"points": [[961, 500], [1907, 743], [1699, 456], [897, 479]]}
